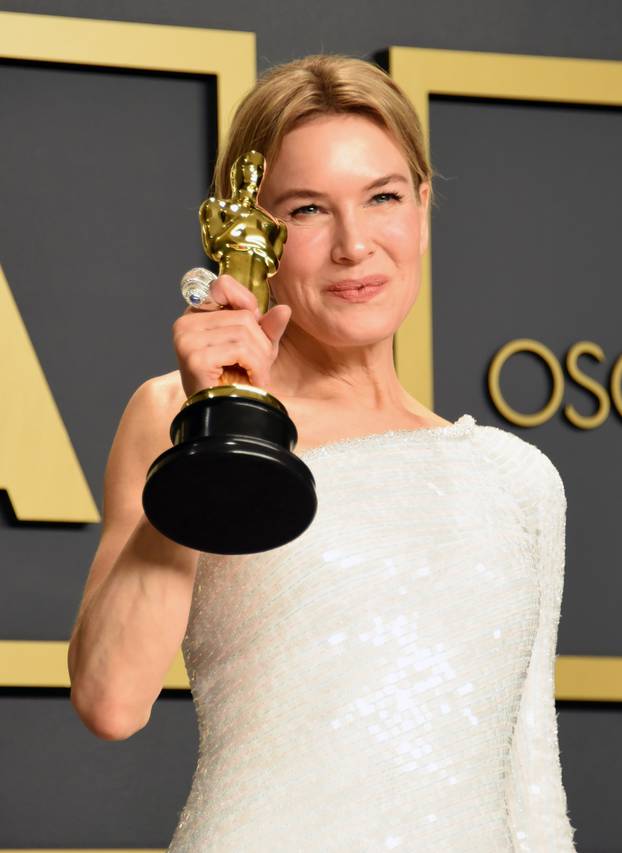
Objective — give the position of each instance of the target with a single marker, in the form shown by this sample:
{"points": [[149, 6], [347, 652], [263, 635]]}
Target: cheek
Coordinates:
{"points": [[402, 237], [305, 242], [402, 241]]}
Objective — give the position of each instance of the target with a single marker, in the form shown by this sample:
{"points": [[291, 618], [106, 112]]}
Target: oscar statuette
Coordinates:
{"points": [[230, 484]]}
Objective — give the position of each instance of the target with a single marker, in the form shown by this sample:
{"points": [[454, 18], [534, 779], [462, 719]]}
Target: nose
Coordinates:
{"points": [[352, 239]]}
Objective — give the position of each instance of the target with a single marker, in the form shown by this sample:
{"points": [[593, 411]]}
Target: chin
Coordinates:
{"points": [[360, 332]]}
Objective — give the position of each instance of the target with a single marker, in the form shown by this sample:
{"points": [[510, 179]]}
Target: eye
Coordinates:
{"points": [[305, 210], [383, 198]]}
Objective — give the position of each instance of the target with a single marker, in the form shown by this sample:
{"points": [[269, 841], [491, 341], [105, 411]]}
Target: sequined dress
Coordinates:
{"points": [[385, 682]]}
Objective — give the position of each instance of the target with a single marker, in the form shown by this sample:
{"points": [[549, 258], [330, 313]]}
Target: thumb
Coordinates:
{"points": [[274, 322]]}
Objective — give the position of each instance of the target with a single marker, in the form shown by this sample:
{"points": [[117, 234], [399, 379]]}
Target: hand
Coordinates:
{"points": [[208, 341]]}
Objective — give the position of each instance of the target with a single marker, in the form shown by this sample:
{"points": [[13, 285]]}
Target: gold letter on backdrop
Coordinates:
{"points": [[38, 465], [585, 381]]}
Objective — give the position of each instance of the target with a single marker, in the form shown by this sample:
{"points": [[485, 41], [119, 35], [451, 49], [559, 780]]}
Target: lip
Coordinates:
{"points": [[358, 289]]}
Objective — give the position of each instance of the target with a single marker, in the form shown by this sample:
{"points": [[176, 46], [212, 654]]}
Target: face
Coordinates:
{"points": [[355, 230]]}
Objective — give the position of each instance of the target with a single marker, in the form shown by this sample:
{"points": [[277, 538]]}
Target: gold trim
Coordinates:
{"points": [[421, 73], [236, 390], [33, 663], [44, 664], [588, 679], [227, 54]]}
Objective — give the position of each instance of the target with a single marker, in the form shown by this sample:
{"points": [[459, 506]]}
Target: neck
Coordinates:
{"points": [[362, 375]]}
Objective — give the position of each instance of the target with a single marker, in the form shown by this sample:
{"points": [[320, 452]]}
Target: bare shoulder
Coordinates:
{"points": [[155, 403], [162, 394], [150, 410]]}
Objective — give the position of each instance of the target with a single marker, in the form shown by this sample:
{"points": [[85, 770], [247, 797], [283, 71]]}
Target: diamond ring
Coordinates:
{"points": [[196, 287]]}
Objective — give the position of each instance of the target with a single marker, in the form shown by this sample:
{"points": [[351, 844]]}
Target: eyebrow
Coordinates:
{"points": [[307, 193]]}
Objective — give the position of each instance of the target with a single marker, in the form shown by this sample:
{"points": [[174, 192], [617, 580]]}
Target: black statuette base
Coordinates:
{"points": [[230, 484]]}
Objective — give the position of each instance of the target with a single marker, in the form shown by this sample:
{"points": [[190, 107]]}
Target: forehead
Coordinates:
{"points": [[335, 148]]}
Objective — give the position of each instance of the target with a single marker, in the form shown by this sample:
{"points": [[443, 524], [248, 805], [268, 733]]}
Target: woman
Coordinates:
{"points": [[386, 680]]}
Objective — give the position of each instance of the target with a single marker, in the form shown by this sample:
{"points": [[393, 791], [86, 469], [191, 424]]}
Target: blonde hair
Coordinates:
{"points": [[298, 91]]}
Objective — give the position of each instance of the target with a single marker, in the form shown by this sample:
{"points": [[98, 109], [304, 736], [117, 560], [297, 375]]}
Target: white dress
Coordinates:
{"points": [[386, 681]]}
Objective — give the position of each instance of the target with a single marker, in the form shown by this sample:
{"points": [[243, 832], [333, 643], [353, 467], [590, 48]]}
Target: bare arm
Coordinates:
{"points": [[137, 597]]}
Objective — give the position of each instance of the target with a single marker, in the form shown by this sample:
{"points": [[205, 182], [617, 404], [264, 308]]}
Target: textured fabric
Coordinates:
{"points": [[385, 682]]}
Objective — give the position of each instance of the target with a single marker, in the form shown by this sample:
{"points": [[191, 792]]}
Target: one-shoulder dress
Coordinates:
{"points": [[386, 681]]}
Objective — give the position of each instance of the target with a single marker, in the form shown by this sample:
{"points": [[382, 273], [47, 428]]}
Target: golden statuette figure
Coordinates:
{"points": [[231, 483], [240, 236]]}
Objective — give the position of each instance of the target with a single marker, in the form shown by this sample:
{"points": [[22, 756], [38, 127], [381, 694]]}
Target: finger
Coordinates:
{"points": [[274, 322], [193, 339], [205, 323], [204, 366], [231, 294], [192, 319]]}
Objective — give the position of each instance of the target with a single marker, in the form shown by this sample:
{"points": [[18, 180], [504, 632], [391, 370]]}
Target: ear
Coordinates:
{"points": [[424, 203]]}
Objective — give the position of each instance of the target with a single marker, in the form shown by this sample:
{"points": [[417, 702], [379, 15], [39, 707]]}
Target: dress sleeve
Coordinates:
{"points": [[536, 796]]}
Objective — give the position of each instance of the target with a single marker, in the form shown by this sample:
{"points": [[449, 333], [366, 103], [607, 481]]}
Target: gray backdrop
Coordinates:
{"points": [[115, 165]]}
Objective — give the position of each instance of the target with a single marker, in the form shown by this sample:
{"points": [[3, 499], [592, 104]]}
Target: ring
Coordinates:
{"points": [[196, 288]]}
